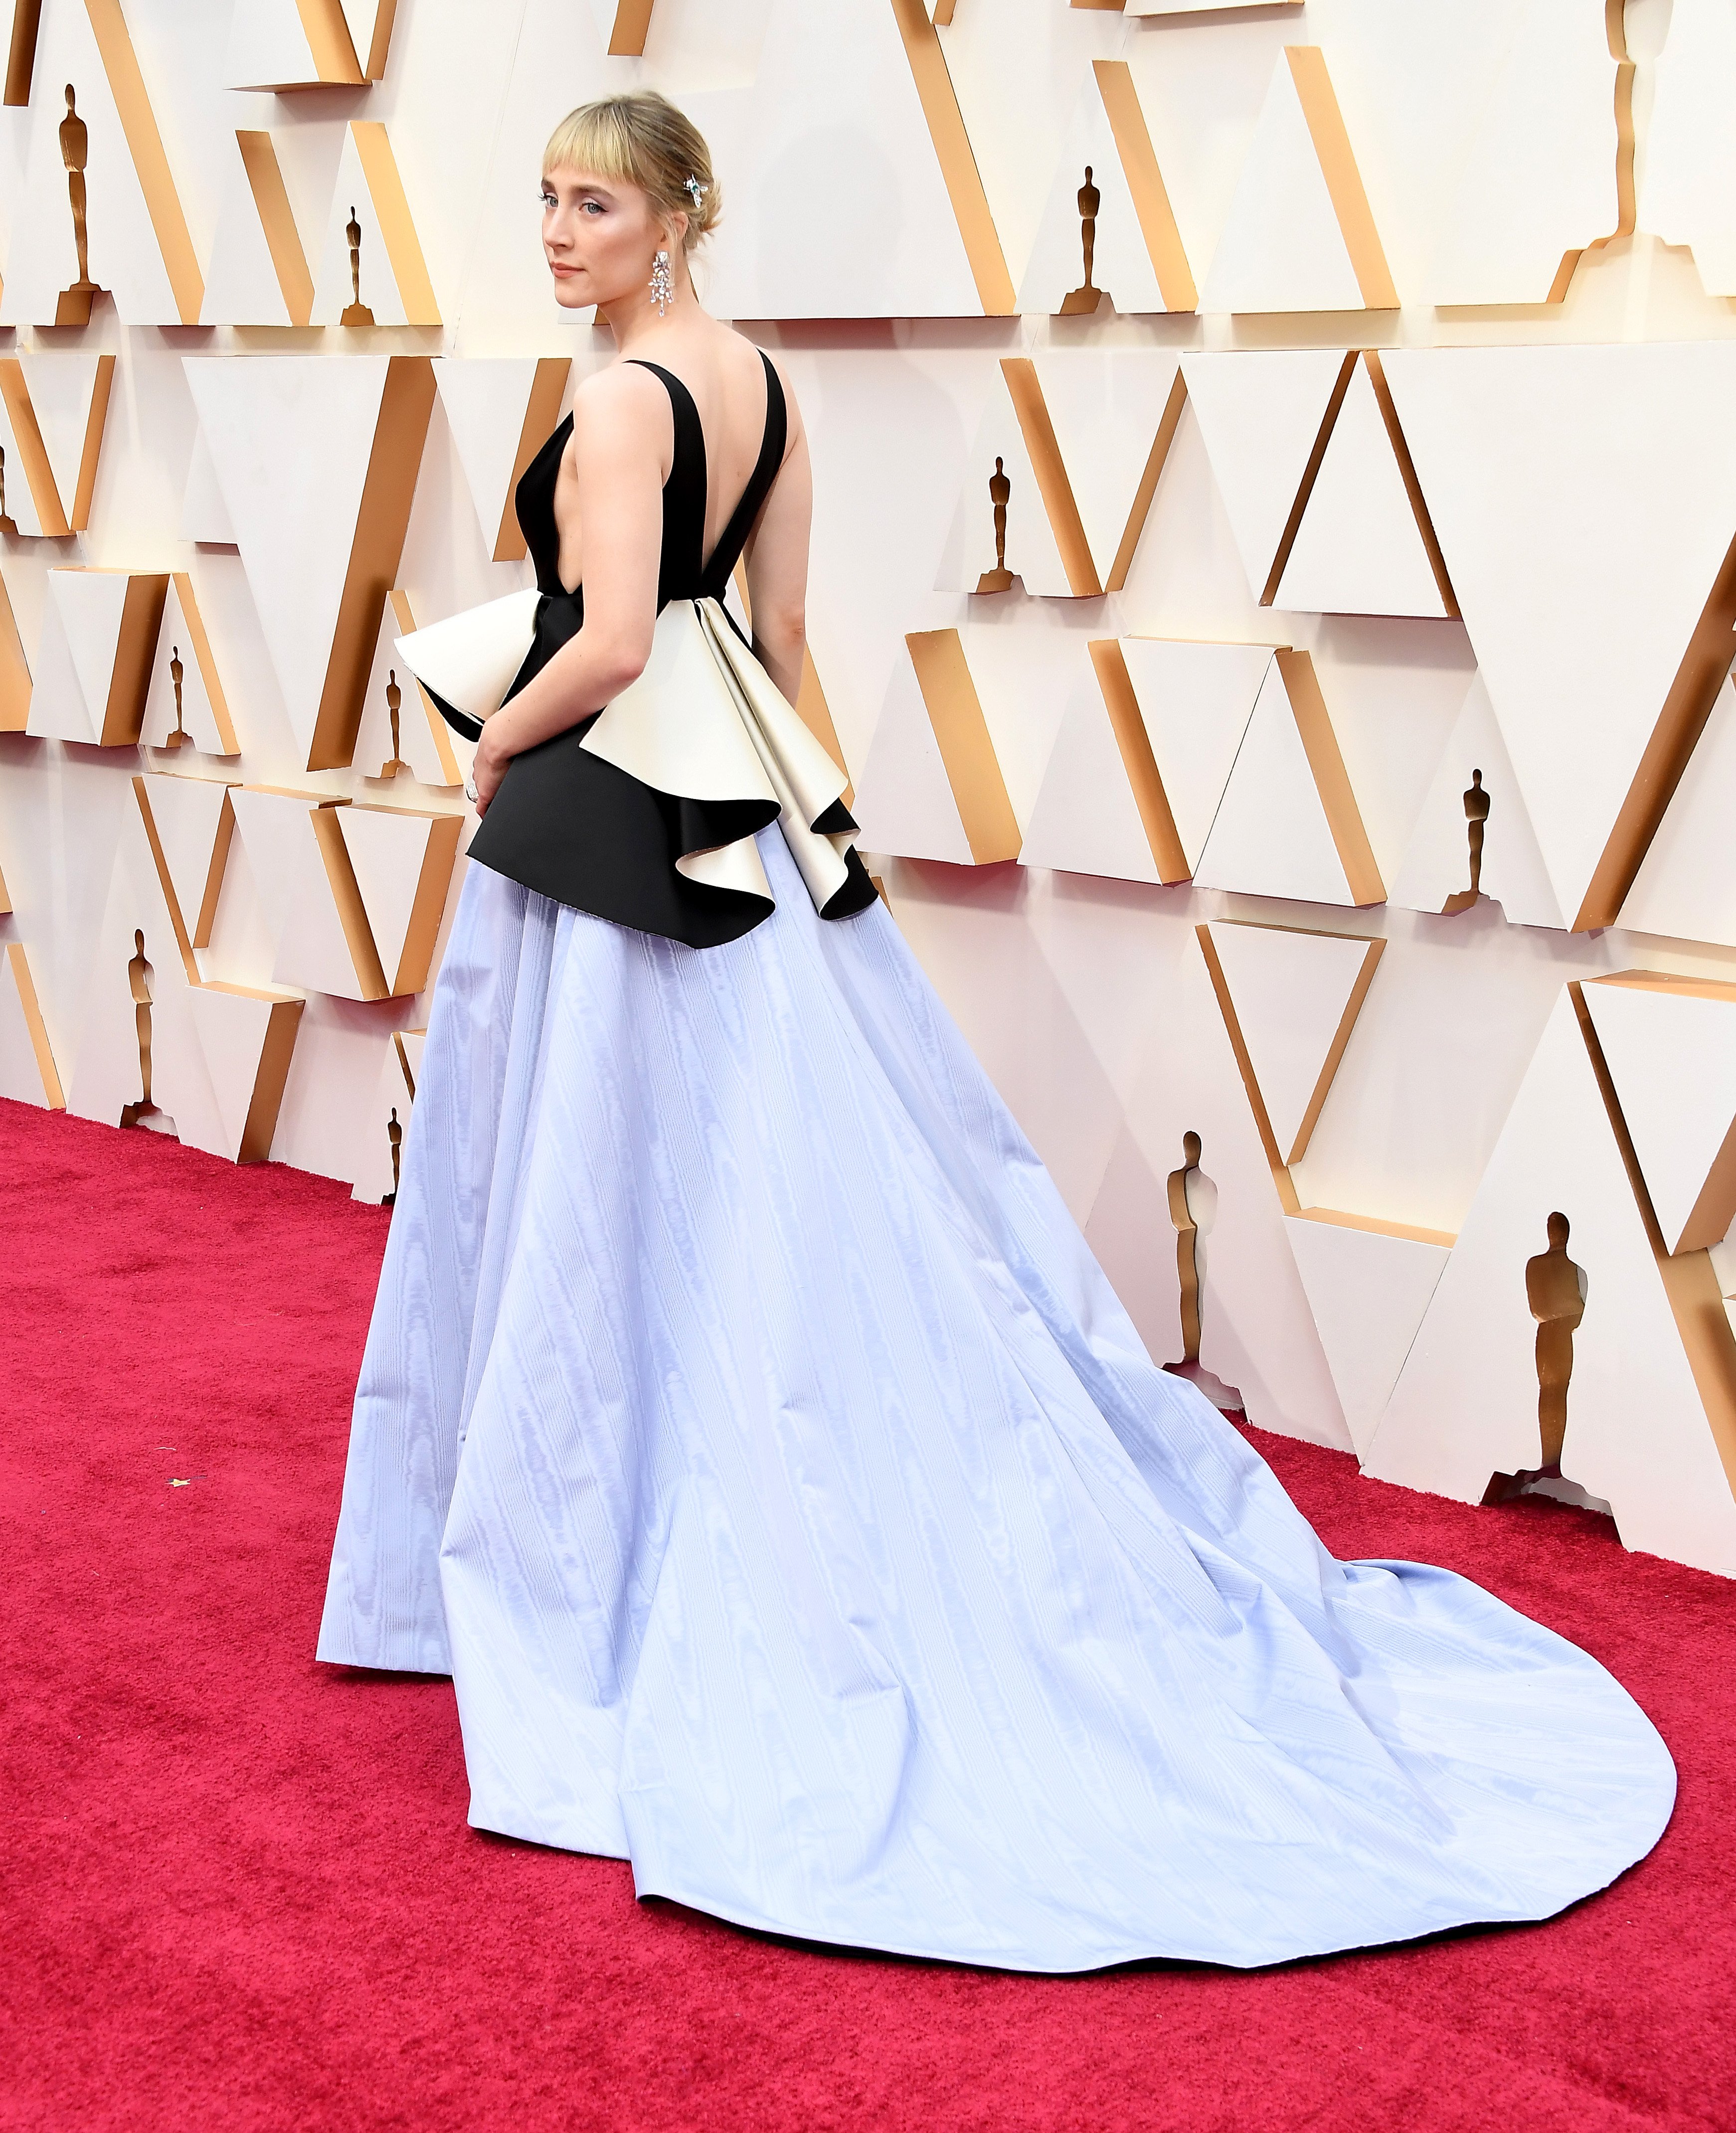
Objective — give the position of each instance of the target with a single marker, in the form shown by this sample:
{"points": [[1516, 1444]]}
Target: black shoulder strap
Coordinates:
{"points": [[734, 537]]}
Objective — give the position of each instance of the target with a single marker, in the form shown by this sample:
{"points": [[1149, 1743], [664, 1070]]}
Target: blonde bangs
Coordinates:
{"points": [[595, 139]]}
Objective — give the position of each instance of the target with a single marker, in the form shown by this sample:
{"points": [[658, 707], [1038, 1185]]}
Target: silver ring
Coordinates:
{"points": [[470, 793]]}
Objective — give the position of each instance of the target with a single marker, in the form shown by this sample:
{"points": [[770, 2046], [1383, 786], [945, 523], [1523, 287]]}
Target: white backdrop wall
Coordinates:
{"points": [[1416, 366]]}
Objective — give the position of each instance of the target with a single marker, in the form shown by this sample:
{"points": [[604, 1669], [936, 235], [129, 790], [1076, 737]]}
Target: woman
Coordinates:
{"points": [[744, 1424]]}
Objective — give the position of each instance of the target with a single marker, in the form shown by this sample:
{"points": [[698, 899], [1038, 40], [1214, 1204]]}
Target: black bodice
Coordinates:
{"points": [[574, 827]]}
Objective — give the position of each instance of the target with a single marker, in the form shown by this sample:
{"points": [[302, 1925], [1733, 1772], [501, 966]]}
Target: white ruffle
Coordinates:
{"points": [[704, 721]]}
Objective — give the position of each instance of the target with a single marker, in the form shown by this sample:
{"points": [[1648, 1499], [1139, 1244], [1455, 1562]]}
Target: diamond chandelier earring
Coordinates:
{"points": [[663, 283]]}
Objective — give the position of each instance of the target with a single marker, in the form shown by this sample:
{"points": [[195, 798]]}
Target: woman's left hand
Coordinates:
{"points": [[488, 768]]}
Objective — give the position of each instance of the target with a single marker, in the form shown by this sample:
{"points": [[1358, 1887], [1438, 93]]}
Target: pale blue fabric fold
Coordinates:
{"points": [[746, 1427]]}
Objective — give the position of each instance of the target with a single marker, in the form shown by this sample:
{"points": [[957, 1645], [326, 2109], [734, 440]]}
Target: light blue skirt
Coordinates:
{"points": [[746, 1427]]}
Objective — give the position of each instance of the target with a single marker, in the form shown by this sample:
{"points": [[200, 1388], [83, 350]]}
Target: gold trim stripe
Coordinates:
{"points": [[144, 143], [1053, 484], [1344, 181], [1145, 184], [284, 240], [1134, 742], [966, 749], [398, 231], [958, 160]]}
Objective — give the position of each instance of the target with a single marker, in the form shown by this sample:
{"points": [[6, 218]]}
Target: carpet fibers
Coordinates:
{"points": [[237, 1890]]}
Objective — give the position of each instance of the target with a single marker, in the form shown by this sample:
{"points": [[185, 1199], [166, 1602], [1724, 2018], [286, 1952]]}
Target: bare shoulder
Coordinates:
{"points": [[624, 400]]}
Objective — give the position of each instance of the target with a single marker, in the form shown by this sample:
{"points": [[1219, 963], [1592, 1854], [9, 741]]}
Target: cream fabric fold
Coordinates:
{"points": [[472, 658], [705, 721]]}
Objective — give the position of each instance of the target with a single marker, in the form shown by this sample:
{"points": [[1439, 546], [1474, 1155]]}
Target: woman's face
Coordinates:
{"points": [[598, 235]]}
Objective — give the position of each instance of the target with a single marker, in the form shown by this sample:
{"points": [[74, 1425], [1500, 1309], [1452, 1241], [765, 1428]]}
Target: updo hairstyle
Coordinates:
{"points": [[642, 139]]}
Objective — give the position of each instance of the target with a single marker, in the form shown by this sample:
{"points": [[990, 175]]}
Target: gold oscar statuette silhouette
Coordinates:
{"points": [[1000, 580], [1555, 1290], [395, 1135], [72, 308], [1477, 813], [1078, 302], [355, 313], [394, 704], [180, 738], [1187, 1245], [139, 977]]}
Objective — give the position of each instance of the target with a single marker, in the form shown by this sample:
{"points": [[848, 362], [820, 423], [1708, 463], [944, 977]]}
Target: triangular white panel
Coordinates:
{"points": [[241, 283], [1107, 406], [64, 390], [58, 710], [1280, 249], [387, 849], [291, 437], [1270, 836], [1120, 264], [203, 515], [1085, 820], [187, 814], [903, 801], [486, 398], [1673, 1058], [1437, 862], [41, 259], [268, 48], [334, 284], [421, 730], [1259, 412], [1465, 1405], [828, 78], [1289, 990], [1584, 499], [310, 950], [232, 1027], [89, 604], [1368, 1291], [1537, 179], [1196, 701], [175, 640], [1686, 884], [1359, 550], [1032, 554]]}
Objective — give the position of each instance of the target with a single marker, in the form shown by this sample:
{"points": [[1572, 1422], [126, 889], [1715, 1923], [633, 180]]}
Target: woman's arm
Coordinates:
{"points": [[777, 560], [622, 434]]}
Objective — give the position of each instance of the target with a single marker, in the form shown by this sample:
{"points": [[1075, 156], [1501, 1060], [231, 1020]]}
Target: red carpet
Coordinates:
{"points": [[239, 1890]]}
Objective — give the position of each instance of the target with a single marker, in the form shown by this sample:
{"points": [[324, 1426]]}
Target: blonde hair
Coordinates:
{"points": [[642, 139]]}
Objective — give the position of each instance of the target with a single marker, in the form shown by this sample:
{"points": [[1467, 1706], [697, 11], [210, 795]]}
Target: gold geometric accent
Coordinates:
{"points": [[346, 894], [34, 1024], [1374, 1227], [990, 827], [272, 1072], [958, 160], [1344, 181], [27, 436], [397, 232], [1286, 1190], [540, 411], [632, 19], [1159, 452], [1137, 759], [1680, 725], [14, 673], [207, 664], [270, 199], [1145, 184], [138, 122], [1305, 488], [1053, 483], [329, 41], [21, 58], [1343, 817], [381, 523]]}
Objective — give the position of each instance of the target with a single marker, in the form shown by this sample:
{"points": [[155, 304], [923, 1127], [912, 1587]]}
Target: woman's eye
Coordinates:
{"points": [[548, 200]]}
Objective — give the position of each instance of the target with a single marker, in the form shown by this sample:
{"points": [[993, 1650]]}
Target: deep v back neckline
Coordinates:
{"points": [[773, 432]]}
